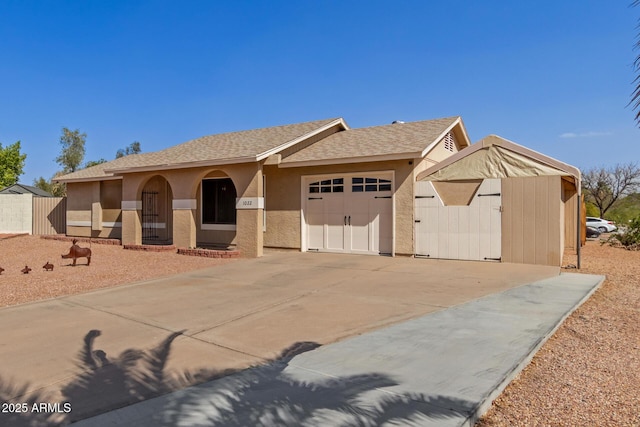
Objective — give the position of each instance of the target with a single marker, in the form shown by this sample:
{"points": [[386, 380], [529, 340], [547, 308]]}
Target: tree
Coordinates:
{"points": [[133, 148], [57, 189], [604, 186], [72, 153], [94, 162], [11, 164]]}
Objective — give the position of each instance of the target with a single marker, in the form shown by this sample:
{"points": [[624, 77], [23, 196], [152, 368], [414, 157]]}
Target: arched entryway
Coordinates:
{"points": [[156, 214]]}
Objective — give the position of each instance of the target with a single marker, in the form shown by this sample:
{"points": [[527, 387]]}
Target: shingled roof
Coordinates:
{"points": [[398, 140], [25, 189], [224, 148]]}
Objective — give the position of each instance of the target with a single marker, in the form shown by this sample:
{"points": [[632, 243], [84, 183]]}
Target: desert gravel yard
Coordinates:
{"points": [[110, 266], [588, 373]]}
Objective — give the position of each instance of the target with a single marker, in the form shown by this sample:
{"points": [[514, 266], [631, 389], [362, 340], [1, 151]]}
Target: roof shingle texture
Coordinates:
{"points": [[233, 145], [396, 138], [410, 137]]}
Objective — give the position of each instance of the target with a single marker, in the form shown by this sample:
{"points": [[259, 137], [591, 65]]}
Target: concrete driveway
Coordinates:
{"points": [[107, 349]]}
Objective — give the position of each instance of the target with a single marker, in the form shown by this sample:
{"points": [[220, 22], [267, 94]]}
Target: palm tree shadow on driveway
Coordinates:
{"points": [[265, 395]]}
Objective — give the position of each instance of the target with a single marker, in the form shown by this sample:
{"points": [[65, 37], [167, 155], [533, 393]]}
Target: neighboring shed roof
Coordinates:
{"points": [[226, 148], [496, 157], [25, 189], [397, 141]]}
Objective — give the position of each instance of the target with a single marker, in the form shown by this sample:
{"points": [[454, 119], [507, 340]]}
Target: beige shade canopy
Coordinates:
{"points": [[496, 157]]}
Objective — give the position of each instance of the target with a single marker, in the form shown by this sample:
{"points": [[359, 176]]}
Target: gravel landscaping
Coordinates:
{"points": [[110, 266], [588, 373]]}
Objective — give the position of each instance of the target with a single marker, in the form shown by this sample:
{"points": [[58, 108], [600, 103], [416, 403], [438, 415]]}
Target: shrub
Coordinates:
{"points": [[630, 239]]}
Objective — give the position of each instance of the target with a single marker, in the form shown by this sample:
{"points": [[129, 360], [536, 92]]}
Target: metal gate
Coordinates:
{"points": [[149, 215]]}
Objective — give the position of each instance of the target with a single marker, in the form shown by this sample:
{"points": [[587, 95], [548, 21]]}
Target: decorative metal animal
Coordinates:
{"points": [[26, 270], [76, 252], [48, 266]]}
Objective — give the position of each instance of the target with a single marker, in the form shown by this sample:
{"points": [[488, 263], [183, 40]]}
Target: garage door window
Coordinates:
{"points": [[360, 184], [335, 185]]}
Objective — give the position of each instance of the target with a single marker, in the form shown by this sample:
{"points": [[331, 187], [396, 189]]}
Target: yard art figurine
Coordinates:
{"points": [[76, 252], [48, 266], [26, 270]]}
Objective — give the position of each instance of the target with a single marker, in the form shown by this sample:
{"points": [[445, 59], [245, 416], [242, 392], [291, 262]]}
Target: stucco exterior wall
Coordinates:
{"points": [[184, 188], [439, 152], [79, 203], [283, 204], [532, 220], [93, 209]]}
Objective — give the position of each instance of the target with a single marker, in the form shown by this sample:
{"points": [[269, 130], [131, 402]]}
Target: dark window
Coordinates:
{"points": [[218, 201], [327, 186], [370, 184]]}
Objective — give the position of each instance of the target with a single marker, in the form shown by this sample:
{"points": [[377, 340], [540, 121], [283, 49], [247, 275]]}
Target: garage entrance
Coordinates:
{"points": [[458, 220], [349, 213]]}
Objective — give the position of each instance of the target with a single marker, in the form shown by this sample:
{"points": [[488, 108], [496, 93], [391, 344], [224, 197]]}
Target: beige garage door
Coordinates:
{"points": [[349, 213], [467, 228]]}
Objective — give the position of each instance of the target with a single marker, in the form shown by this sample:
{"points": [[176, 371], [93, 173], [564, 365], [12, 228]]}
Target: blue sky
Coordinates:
{"points": [[555, 76]]}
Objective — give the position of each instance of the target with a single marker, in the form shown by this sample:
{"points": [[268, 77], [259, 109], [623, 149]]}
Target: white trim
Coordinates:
{"points": [[443, 134], [249, 202], [307, 135], [184, 204], [154, 225], [234, 160], [112, 224], [303, 220], [377, 158], [131, 205], [218, 227], [78, 223]]}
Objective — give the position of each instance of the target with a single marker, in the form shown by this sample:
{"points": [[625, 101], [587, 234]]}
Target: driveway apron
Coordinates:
{"points": [[108, 349]]}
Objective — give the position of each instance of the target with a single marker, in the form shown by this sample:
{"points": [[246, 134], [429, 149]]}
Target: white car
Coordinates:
{"points": [[602, 225]]}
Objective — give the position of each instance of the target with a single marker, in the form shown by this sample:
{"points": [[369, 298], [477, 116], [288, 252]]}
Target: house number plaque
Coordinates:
{"points": [[250, 203]]}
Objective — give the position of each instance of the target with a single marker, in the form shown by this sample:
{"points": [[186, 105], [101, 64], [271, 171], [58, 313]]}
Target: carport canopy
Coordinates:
{"points": [[496, 157]]}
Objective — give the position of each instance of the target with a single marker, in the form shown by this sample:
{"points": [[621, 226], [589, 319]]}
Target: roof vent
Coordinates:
{"points": [[397, 122]]}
